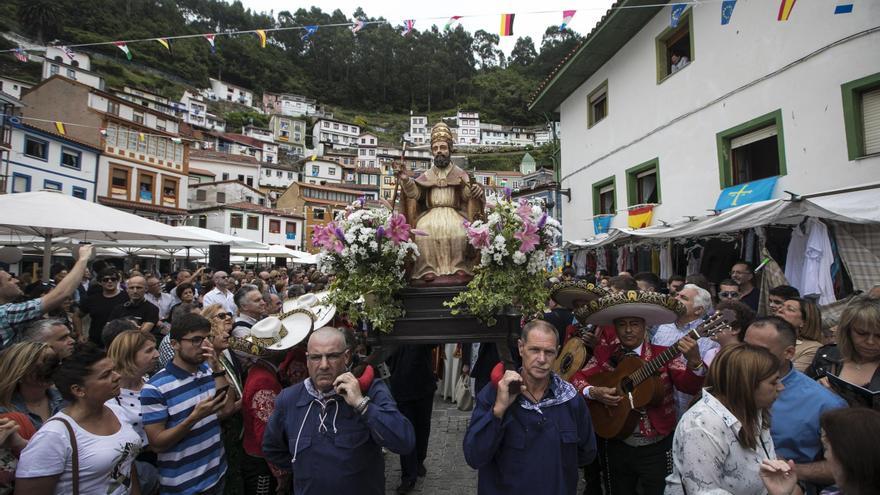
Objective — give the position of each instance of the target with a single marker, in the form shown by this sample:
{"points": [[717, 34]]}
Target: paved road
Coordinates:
{"points": [[448, 474]]}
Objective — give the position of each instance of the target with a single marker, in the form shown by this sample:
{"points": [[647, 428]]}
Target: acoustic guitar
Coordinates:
{"points": [[636, 381], [574, 355]]}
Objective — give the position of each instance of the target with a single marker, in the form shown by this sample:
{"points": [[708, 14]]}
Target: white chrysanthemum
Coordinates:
{"points": [[374, 246], [349, 238], [519, 258]]}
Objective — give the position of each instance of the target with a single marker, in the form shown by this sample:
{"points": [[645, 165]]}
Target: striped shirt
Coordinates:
{"points": [[17, 314], [197, 462]]}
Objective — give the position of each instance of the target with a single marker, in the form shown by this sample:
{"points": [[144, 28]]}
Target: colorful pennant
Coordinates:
{"points": [[357, 26], [566, 18], [164, 42], [785, 9], [124, 47], [727, 11], [640, 217], [675, 14], [261, 33], [844, 8], [210, 38], [454, 20], [59, 126], [20, 55], [507, 24], [408, 26], [309, 30], [67, 51], [141, 137]]}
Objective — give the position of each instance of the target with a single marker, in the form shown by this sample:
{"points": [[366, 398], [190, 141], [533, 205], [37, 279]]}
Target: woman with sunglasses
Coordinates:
{"points": [[805, 317], [99, 305], [106, 445]]}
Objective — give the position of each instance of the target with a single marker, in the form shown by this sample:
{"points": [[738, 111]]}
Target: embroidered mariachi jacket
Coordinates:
{"points": [[660, 419]]}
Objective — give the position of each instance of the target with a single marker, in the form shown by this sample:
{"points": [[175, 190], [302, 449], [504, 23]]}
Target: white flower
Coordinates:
{"points": [[499, 258], [349, 238], [519, 258], [374, 245]]}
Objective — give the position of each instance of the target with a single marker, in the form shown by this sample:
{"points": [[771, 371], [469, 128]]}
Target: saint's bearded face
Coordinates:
{"points": [[440, 149]]}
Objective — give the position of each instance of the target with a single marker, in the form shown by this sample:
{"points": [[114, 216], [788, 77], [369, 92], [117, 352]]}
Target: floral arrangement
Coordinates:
{"points": [[366, 249], [515, 242]]}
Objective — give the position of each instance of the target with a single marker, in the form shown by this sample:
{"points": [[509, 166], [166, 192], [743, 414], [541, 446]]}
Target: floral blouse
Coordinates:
{"points": [[708, 457]]}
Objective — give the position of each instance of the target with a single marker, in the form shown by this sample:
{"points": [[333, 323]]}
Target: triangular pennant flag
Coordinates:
{"points": [[262, 35], [640, 217], [727, 11], [59, 126], [141, 137], [102, 132], [507, 24], [313, 158], [164, 42], [176, 140], [122, 46], [309, 30], [357, 26], [785, 9], [67, 51], [20, 55], [844, 8], [675, 14], [452, 21], [408, 26], [566, 18], [210, 38]]}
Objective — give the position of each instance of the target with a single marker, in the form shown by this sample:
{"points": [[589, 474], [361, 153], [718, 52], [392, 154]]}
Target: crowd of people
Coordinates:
{"points": [[212, 382]]}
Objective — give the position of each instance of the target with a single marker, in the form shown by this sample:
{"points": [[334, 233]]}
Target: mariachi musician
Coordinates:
{"points": [[577, 342], [638, 460]]}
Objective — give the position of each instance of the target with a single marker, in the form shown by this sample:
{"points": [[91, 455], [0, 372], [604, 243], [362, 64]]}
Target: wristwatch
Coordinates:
{"points": [[218, 374]]}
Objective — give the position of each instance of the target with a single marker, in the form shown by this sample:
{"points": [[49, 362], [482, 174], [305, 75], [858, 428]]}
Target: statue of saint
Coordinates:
{"points": [[438, 202]]}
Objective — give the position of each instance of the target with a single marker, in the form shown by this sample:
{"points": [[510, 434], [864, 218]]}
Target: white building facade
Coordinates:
{"points": [[79, 68], [468, 128], [335, 132], [229, 92], [758, 98]]}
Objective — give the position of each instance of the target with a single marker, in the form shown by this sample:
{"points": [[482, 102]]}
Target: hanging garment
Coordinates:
{"points": [[794, 259], [655, 260], [601, 260], [817, 264], [694, 257], [859, 246], [666, 268], [579, 260]]}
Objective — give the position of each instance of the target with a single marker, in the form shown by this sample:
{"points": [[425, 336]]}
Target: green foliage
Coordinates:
{"points": [[494, 290], [378, 70], [235, 120], [379, 288]]}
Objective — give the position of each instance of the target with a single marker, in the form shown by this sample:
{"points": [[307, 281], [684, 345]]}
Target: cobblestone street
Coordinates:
{"points": [[447, 471]]}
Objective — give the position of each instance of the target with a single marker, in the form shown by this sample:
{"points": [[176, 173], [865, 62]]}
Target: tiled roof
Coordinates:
{"points": [[134, 205], [245, 206], [201, 171], [220, 156]]}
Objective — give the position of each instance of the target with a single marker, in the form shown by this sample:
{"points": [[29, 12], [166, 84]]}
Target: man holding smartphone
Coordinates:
{"points": [[182, 407]]}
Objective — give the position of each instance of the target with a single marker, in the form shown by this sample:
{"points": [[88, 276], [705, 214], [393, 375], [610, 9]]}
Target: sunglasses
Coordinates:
{"points": [[223, 316], [109, 279]]}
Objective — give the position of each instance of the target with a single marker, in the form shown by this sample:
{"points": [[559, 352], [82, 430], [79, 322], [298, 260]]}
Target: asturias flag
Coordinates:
{"points": [[743, 194], [602, 223], [640, 217]]}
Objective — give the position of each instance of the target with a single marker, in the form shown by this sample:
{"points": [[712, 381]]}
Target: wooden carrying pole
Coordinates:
{"points": [[397, 179]]}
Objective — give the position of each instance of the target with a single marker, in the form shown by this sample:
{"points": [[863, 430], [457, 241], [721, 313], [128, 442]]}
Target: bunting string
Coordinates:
{"points": [[308, 30]]}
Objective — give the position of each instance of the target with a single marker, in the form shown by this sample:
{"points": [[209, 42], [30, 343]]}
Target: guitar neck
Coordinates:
{"points": [[654, 365]]}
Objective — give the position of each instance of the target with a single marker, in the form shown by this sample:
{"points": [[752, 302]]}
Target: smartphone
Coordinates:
{"points": [[222, 391]]}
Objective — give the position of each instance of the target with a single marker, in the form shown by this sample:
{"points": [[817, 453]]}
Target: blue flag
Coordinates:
{"points": [[845, 8], [727, 11], [602, 223], [743, 194], [675, 15], [309, 30]]}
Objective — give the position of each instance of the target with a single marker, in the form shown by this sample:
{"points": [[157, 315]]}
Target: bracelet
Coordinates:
{"points": [[218, 374], [697, 368], [361, 406]]}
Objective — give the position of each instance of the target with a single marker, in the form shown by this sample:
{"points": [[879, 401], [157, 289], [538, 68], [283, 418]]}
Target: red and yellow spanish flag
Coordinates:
{"points": [[640, 217], [262, 35], [59, 126], [507, 24], [785, 9]]}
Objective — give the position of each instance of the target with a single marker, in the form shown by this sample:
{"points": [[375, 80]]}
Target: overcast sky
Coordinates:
{"points": [[532, 17]]}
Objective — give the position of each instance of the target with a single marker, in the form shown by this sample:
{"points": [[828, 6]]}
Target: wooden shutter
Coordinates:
{"points": [[871, 120]]}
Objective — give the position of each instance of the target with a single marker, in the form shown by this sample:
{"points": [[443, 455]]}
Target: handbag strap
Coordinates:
{"points": [[75, 459]]}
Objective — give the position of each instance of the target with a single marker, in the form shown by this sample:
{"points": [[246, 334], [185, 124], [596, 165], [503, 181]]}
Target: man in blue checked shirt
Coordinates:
{"points": [[16, 316]]}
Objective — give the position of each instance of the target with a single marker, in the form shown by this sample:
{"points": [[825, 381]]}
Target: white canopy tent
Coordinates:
{"points": [[49, 215]]}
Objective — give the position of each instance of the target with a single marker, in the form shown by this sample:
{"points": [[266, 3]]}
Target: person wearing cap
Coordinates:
{"points": [[330, 428], [640, 462], [531, 432], [266, 344]]}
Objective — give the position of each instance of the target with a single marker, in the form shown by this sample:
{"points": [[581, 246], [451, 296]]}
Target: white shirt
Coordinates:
{"points": [[104, 461], [217, 297], [164, 302], [706, 454], [128, 403], [670, 333]]}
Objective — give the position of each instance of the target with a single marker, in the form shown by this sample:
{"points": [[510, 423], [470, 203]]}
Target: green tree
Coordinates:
{"points": [[523, 52], [41, 18]]}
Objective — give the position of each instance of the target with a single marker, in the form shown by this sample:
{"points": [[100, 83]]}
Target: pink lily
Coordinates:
{"points": [[528, 237], [398, 230], [524, 210], [479, 236]]}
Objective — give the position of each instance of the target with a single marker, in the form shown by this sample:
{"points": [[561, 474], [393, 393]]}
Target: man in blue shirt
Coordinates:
{"points": [[795, 426], [536, 440], [330, 430]]}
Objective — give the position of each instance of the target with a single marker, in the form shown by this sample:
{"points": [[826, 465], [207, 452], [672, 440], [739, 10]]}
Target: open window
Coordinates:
{"points": [[643, 183], [597, 103], [753, 150], [119, 182], [675, 47], [146, 187], [604, 197]]}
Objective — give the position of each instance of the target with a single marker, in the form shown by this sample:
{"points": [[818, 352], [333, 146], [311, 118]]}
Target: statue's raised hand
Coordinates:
{"points": [[400, 170]]}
